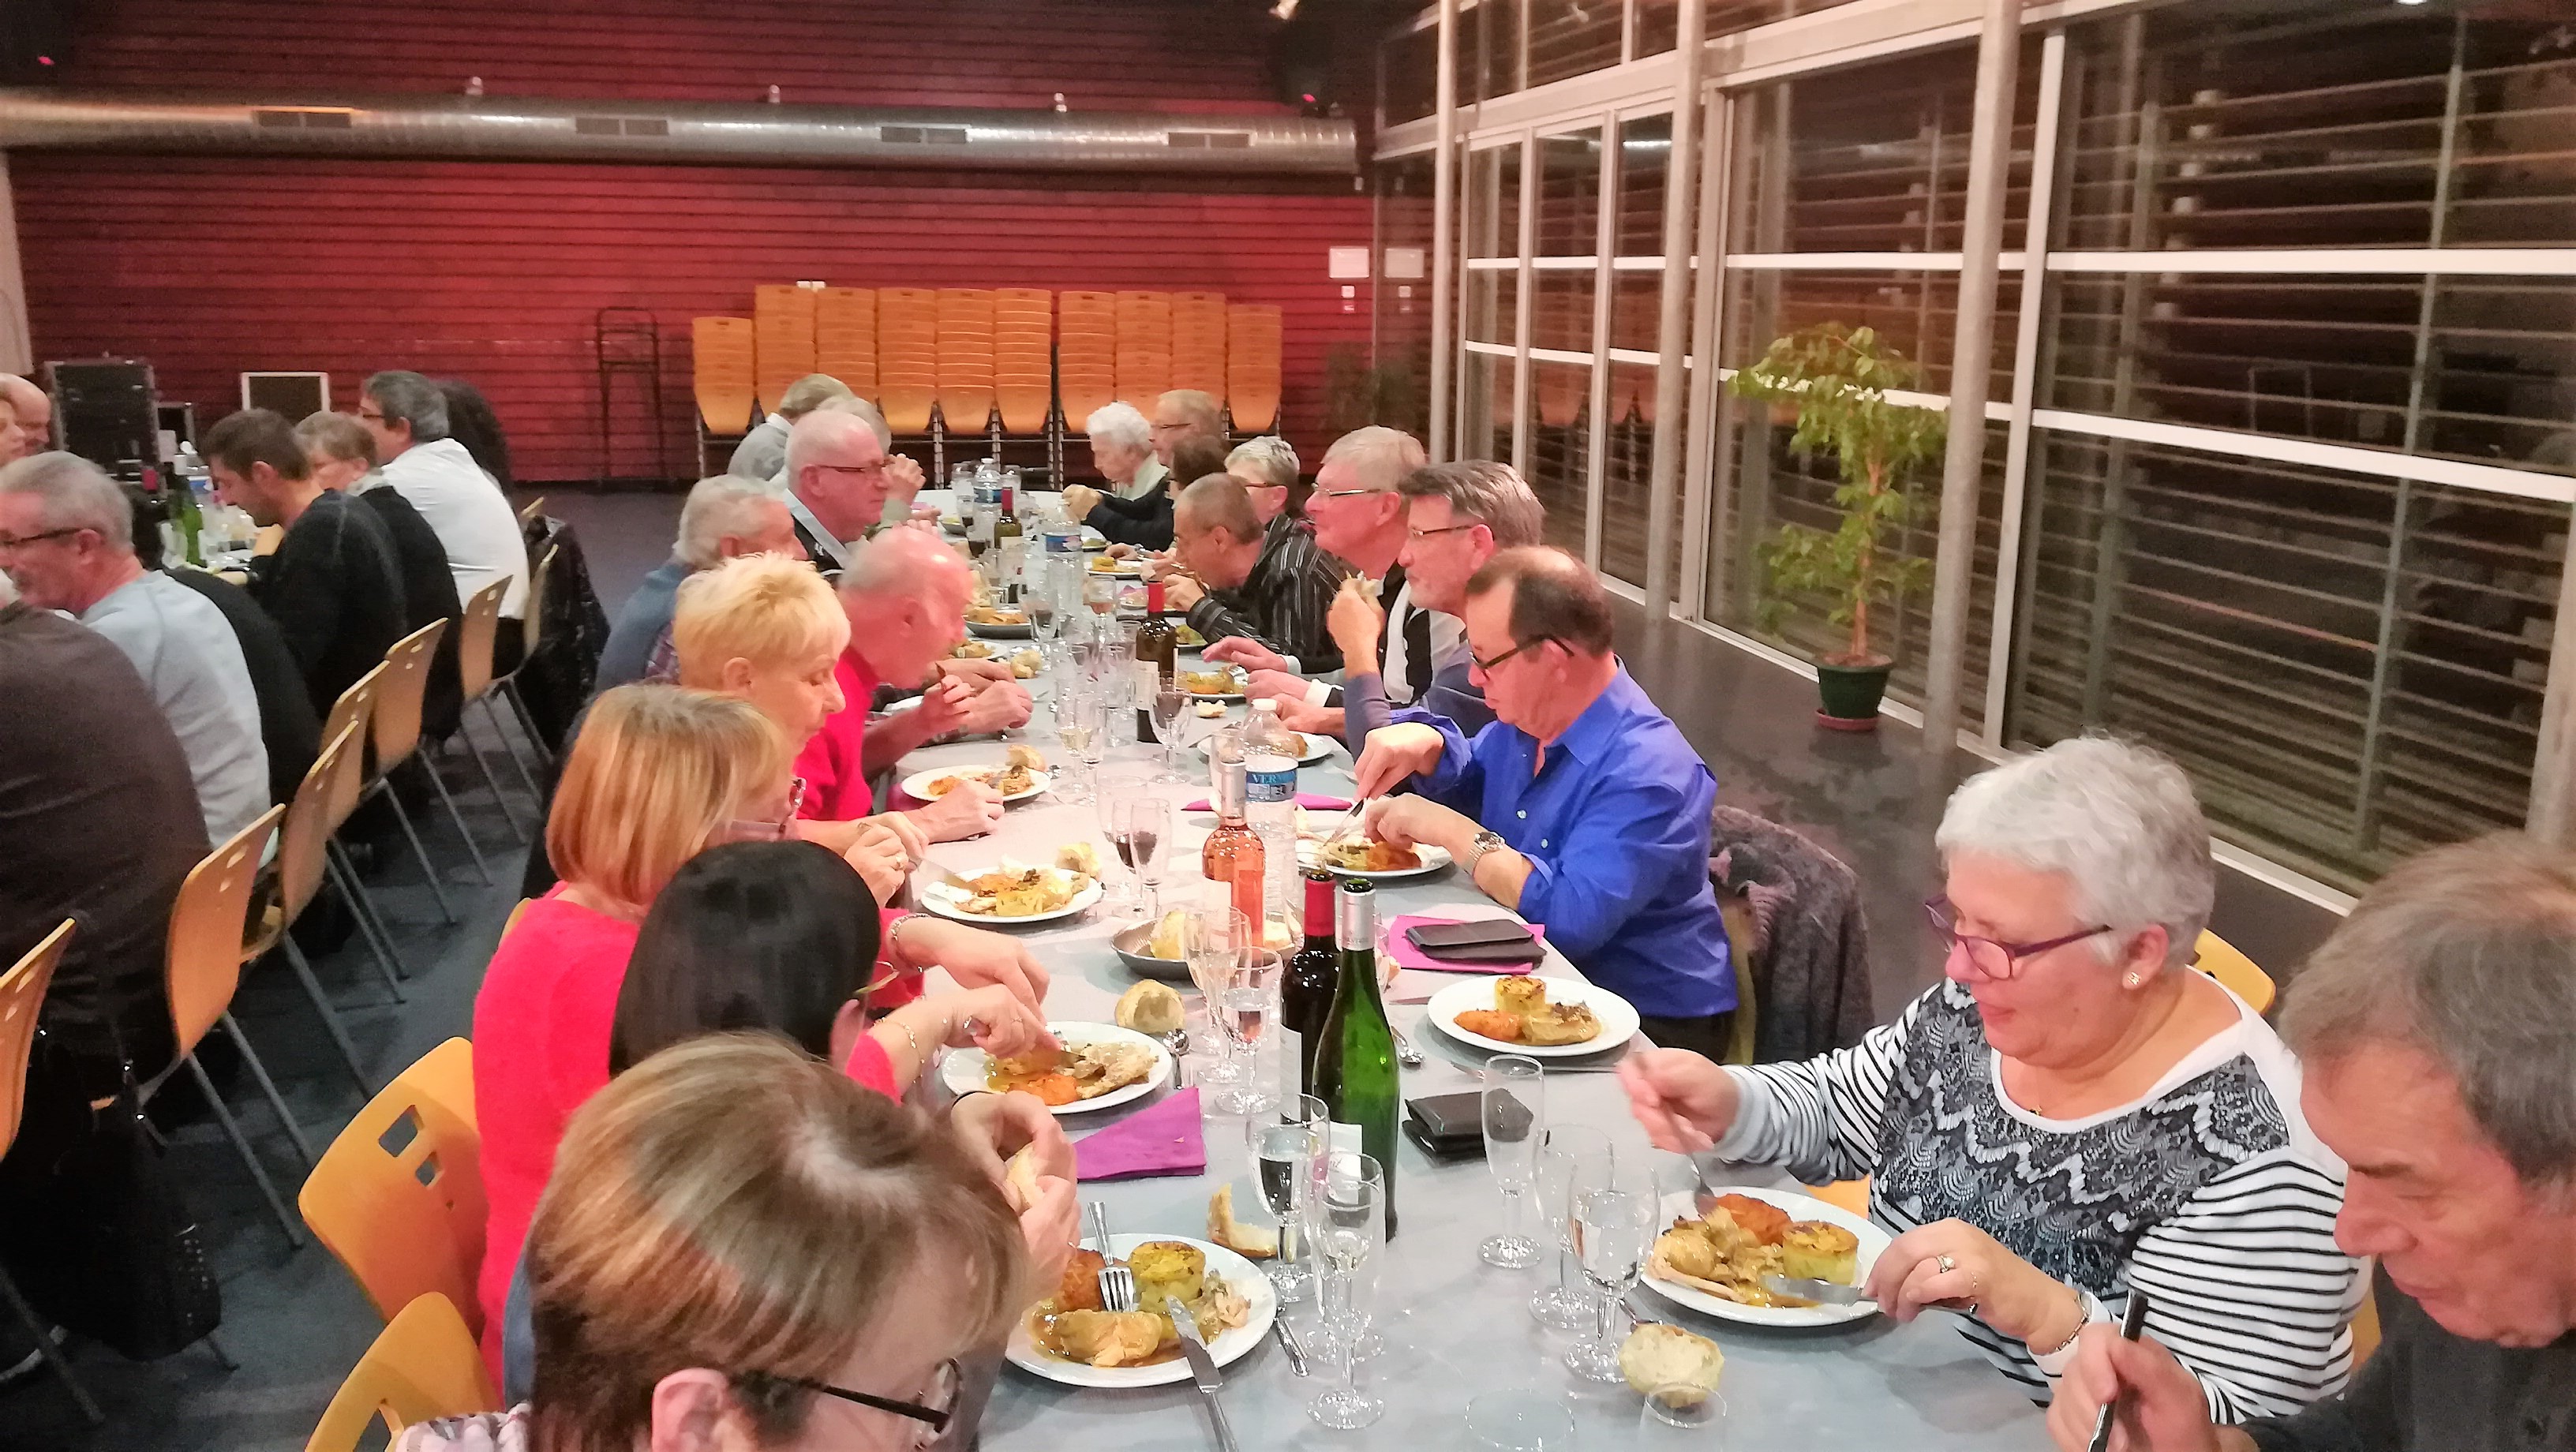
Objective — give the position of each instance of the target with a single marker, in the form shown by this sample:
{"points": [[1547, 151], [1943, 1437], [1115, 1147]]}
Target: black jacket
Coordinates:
{"points": [[287, 725], [429, 593], [1145, 523], [336, 594]]}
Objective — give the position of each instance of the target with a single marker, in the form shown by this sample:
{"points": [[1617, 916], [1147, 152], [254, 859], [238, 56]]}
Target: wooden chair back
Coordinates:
{"points": [[356, 707], [396, 719], [209, 928], [2214, 956], [22, 995], [474, 639], [398, 1196], [307, 832], [424, 1365]]}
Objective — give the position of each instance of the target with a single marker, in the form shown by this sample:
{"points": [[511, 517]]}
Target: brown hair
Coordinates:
{"points": [[339, 435], [734, 1204], [1553, 598], [256, 436], [655, 773]]}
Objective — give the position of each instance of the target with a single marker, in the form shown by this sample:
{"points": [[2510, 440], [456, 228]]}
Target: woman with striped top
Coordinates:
{"points": [[2074, 1112]]}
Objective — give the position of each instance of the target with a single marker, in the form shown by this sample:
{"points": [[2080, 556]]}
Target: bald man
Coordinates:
{"points": [[1244, 584], [26, 418]]}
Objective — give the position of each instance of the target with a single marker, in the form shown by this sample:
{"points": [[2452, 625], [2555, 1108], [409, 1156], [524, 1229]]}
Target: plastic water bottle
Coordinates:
{"points": [[1270, 752]]}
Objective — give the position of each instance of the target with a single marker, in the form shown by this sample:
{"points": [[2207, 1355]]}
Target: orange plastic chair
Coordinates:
{"points": [[782, 316], [398, 1197], [474, 638], [2214, 956], [22, 997], [396, 727], [845, 337], [424, 1365], [722, 372], [303, 861]]}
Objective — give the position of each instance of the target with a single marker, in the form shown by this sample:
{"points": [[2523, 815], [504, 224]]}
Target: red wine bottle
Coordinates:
{"points": [[1306, 987]]}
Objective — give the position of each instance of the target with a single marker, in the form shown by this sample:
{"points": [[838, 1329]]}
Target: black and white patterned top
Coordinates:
{"points": [[2209, 1193]]}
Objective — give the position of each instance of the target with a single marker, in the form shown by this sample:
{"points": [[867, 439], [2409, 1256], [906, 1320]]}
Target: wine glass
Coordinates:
{"points": [[1214, 939], [1141, 830], [1570, 1156], [1247, 1007], [1613, 1228], [1113, 790], [1171, 705], [1077, 725], [1117, 666], [1348, 1225], [1514, 1100], [1682, 1415], [1100, 591], [1041, 601], [1287, 1150], [1520, 1420]]}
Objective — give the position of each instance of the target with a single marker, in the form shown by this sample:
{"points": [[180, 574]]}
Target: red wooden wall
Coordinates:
{"points": [[208, 266]]}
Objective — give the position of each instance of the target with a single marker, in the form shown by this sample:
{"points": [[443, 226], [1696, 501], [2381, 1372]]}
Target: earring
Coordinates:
{"points": [[2131, 980]]}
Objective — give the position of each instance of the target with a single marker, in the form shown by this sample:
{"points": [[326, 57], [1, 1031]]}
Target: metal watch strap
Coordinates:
{"points": [[1483, 842]]}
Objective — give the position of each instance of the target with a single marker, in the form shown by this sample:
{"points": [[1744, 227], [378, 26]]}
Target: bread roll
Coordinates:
{"points": [[1659, 1357]]}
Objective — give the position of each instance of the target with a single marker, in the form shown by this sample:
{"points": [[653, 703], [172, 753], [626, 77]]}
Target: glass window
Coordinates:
{"points": [[1560, 447], [1493, 202], [1403, 306], [1645, 154], [1627, 467], [2350, 666], [1569, 195], [1496, 25], [1493, 306], [1408, 75], [1485, 406], [1659, 24], [1572, 37], [1916, 312], [1661, 18]]}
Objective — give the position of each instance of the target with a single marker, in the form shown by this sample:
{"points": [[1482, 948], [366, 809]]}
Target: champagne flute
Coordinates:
{"points": [[1571, 1156], [1170, 703], [1515, 1098], [1142, 830], [1348, 1223], [1287, 1147], [1613, 1228], [1214, 940], [1247, 1008], [1077, 725], [1115, 789], [1041, 605]]}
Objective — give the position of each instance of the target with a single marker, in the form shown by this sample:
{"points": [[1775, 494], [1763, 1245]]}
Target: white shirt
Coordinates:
{"points": [[188, 655], [470, 515], [1448, 637]]}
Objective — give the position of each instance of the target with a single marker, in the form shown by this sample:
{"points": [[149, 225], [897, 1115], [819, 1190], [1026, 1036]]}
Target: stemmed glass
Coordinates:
{"points": [[1570, 1156], [1613, 1228], [1514, 1102], [1215, 939], [1041, 602], [1078, 725], [1117, 667], [1247, 1007], [1347, 1224], [1171, 703], [1288, 1148], [1141, 829], [1114, 789]]}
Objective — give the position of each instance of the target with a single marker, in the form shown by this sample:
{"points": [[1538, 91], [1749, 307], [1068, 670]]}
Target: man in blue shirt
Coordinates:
{"points": [[724, 516], [1581, 806]]}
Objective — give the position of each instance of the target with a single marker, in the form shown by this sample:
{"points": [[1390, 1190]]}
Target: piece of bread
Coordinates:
{"points": [[1819, 1251], [1252, 1242], [1491, 1024], [1080, 857], [1657, 1357], [1150, 1007], [1020, 1179], [1166, 941], [1520, 993], [1560, 1023]]}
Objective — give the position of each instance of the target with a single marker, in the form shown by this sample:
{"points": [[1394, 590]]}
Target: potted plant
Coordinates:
{"points": [[1358, 392], [1835, 381]]}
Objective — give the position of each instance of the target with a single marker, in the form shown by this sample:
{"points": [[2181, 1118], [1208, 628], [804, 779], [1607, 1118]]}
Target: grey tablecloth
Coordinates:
{"points": [[1452, 1326]]}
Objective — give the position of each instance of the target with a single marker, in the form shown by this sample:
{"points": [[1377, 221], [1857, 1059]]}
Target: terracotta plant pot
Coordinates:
{"points": [[1851, 694]]}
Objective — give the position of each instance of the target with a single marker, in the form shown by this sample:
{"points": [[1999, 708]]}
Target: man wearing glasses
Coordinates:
{"points": [[406, 414], [1581, 807], [836, 484], [1358, 520]]}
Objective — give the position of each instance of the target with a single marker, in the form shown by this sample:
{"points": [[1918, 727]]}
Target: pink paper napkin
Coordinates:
{"points": [[1163, 1140], [1309, 800], [1401, 949]]}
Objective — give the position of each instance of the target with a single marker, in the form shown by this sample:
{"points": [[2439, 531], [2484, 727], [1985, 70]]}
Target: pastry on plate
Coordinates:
{"points": [[1519, 993], [1560, 1024], [1491, 1023], [1819, 1251]]}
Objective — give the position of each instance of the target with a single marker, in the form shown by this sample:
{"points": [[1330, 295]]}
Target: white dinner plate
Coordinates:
{"points": [[1309, 854], [1618, 1019], [1318, 746], [1239, 678], [935, 898], [1000, 632], [914, 783], [1118, 569], [1245, 1277], [1800, 1207], [1093, 539], [963, 1070]]}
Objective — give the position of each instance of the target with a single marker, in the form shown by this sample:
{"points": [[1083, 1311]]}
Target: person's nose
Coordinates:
{"points": [[2364, 1226], [1955, 965]]}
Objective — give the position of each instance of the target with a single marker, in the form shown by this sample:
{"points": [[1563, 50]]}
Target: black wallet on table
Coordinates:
{"points": [[1483, 940]]}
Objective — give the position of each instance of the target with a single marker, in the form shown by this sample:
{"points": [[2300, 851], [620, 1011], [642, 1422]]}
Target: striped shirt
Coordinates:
{"points": [[1282, 604], [2210, 1194]]}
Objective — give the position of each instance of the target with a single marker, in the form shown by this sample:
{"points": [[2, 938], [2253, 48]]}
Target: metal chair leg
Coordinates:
{"points": [[222, 1357], [268, 1086], [472, 848], [491, 783], [330, 1015], [338, 870], [509, 748], [428, 868], [241, 1146], [53, 1354], [527, 720]]}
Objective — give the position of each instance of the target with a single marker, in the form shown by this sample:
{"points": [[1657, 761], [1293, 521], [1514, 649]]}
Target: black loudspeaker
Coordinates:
{"points": [[106, 410], [35, 41]]}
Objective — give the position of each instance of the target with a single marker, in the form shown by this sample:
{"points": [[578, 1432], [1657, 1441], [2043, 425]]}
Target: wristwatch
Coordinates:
{"points": [[1477, 846]]}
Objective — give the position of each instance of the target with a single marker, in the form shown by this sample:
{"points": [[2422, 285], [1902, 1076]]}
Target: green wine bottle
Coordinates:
{"points": [[1355, 1072]]}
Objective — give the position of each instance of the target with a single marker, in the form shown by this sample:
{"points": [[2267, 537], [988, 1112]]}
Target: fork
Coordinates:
{"points": [[1117, 1282]]}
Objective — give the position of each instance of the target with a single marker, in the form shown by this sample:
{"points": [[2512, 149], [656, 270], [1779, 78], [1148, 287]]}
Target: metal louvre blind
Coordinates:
{"points": [[1572, 37], [1408, 77], [1560, 447], [2350, 666], [1403, 309], [1485, 415]]}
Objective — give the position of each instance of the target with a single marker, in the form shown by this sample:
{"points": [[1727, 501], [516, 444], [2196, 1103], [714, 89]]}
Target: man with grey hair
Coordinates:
{"points": [[67, 541], [407, 414], [26, 418], [903, 477], [763, 450], [1243, 585], [1122, 449], [723, 517], [2435, 1029], [837, 483]]}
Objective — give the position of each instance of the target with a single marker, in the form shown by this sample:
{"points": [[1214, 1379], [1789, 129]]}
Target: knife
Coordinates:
{"points": [[1202, 1368], [1823, 1293], [1288, 1343]]}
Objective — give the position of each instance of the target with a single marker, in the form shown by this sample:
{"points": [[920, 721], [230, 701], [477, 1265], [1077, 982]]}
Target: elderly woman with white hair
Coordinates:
{"points": [[1122, 449], [2074, 1113]]}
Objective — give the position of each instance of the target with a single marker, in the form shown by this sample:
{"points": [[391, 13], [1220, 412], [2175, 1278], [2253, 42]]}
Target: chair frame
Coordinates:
{"points": [[305, 837], [22, 997], [394, 728]]}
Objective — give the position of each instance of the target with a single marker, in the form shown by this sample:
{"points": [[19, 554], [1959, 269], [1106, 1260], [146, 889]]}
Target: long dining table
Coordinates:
{"points": [[1450, 1326]]}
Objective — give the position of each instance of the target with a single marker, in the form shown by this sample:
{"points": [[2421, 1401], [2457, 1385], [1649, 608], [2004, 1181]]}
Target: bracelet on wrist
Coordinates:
{"points": [[2083, 1318]]}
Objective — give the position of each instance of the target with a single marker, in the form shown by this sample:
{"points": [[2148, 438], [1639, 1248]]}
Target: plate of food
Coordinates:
{"points": [[1021, 775], [1523, 1013], [1100, 1066], [998, 622], [1312, 748], [1225, 683], [1104, 565], [1153, 949], [1068, 1338], [1714, 1262], [1093, 539], [1012, 894], [1189, 638], [1357, 856]]}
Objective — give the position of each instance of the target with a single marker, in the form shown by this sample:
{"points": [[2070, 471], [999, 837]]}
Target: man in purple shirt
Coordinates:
{"points": [[1581, 807]]}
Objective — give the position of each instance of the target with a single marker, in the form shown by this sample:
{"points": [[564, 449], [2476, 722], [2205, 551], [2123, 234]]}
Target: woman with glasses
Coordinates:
{"points": [[2074, 1112], [741, 1248]]}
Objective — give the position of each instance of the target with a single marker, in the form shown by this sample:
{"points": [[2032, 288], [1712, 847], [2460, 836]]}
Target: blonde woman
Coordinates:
{"points": [[657, 774], [743, 1249]]}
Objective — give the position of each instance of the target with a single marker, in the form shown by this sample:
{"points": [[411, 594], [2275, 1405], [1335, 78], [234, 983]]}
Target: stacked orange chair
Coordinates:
{"points": [[1198, 342], [1252, 367], [845, 337], [907, 357], [1086, 354], [966, 358], [1144, 346], [723, 372], [782, 319], [1024, 357]]}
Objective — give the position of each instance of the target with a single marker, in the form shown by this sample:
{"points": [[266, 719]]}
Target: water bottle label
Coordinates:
{"points": [[1060, 542], [1271, 786]]}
